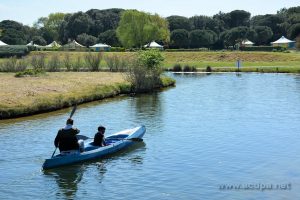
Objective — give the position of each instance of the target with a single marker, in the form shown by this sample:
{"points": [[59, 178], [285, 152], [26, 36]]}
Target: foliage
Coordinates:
{"points": [[263, 48], [93, 61], [13, 50], [179, 38], [264, 35], [138, 28], [202, 38], [86, 40], [115, 63], [236, 35], [29, 72], [54, 63], [13, 33], [177, 68], [39, 40], [178, 22], [145, 70], [188, 68], [67, 62], [109, 37], [13, 65], [38, 62], [294, 31]]}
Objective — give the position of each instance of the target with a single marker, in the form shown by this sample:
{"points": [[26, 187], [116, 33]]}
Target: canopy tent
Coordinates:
{"points": [[53, 44], [73, 45], [32, 44], [284, 42], [247, 42], [153, 44], [2, 43], [101, 47]]}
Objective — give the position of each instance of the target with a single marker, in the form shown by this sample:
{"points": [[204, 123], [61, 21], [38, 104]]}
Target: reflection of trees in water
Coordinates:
{"points": [[148, 108], [67, 179]]}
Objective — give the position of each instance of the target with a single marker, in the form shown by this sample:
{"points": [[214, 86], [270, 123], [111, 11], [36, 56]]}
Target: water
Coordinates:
{"points": [[208, 131]]}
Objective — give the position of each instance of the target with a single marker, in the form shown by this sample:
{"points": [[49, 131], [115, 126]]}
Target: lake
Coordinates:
{"points": [[217, 136]]}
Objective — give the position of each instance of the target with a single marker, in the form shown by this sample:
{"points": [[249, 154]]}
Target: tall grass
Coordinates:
{"points": [[115, 63], [93, 61], [13, 65], [53, 64], [38, 62]]}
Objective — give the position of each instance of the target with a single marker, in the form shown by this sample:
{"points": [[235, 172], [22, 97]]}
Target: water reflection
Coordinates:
{"points": [[67, 179]]}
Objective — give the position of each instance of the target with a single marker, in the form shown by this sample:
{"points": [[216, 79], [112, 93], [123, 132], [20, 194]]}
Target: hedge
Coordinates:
{"points": [[262, 48], [13, 50]]}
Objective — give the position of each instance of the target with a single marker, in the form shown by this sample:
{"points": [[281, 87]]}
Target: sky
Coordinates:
{"points": [[28, 11]]}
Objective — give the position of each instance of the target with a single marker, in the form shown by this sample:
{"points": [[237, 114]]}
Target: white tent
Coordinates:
{"points": [[53, 44], [32, 44], [101, 47], [73, 45], [153, 44], [247, 42], [2, 43], [282, 40]]}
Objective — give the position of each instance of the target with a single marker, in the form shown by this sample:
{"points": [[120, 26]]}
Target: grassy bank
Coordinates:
{"points": [[201, 60], [52, 91]]}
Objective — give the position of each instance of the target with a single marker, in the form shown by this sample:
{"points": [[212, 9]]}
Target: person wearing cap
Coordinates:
{"points": [[67, 141], [99, 137]]}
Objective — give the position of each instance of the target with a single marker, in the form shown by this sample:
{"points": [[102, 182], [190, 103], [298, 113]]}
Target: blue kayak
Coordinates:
{"points": [[115, 142]]}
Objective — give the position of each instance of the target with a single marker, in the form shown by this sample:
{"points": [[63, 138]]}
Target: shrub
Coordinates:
{"points": [[93, 61], [38, 62], [145, 70], [117, 49], [53, 63], [13, 50], [115, 63], [29, 72], [177, 68], [208, 69], [188, 68], [263, 48], [77, 65], [67, 62], [13, 65]]}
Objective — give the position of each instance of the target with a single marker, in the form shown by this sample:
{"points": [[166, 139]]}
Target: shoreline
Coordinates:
{"points": [[37, 98]]}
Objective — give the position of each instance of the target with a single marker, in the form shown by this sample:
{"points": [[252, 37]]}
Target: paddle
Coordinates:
{"points": [[71, 115], [82, 137]]}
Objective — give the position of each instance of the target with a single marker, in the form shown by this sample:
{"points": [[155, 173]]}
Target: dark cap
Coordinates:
{"points": [[70, 121], [101, 128]]}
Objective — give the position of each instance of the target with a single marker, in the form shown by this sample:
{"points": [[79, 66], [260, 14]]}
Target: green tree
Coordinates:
{"points": [[178, 22], [264, 35], [239, 18], [138, 28], [12, 32], [202, 38], [236, 35], [86, 40], [49, 26], [179, 38], [109, 37], [294, 31], [39, 40]]}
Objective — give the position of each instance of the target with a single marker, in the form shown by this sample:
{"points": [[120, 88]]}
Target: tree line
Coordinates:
{"points": [[132, 28]]}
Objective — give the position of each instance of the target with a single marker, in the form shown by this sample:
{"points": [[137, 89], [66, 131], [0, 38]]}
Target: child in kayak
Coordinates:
{"points": [[99, 137]]}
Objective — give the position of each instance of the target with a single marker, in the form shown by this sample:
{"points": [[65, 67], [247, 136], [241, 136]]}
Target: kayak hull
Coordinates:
{"points": [[117, 142]]}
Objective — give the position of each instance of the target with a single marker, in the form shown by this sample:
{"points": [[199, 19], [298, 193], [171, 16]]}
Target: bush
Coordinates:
{"points": [[145, 70], [117, 49], [263, 48], [29, 72], [53, 63], [180, 50], [38, 62], [188, 68], [67, 62], [93, 61], [115, 63], [13, 65], [77, 65], [208, 69], [177, 68], [13, 50]]}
